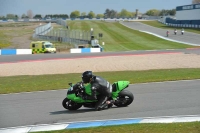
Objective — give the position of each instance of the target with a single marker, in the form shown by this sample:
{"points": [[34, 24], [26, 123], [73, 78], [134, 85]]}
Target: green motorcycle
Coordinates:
{"points": [[74, 101]]}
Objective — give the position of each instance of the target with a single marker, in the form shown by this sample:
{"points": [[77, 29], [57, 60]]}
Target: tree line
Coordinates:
{"points": [[109, 13], [195, 1]]}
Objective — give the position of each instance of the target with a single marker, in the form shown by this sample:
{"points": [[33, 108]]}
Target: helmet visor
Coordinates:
{"points": [[85, 79]]}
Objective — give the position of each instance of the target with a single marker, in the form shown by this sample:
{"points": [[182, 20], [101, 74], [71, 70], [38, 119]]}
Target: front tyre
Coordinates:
{"points": [[70, 105], [124, 98]]}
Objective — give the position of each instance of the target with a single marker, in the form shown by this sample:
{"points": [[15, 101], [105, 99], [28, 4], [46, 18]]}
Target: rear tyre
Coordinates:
{"points": [[70, 105], [124, 98]]}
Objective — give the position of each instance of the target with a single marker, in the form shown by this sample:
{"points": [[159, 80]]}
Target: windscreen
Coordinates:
{"points": [[49, 45]]}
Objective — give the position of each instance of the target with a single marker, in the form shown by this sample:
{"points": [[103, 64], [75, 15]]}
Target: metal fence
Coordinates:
{"points": [[42, 30], [62, 22], [75, 37]]}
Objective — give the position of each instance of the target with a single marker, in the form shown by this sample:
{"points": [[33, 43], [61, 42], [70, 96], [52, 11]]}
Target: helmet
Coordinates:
{"points": [[86, 76]]}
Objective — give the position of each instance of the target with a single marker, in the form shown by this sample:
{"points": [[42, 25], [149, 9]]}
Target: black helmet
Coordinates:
{"points": [[86, 76]]}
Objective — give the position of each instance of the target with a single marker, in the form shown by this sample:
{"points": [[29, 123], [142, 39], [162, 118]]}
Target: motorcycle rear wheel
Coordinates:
{"points": [[70, 105], [125, 98]]}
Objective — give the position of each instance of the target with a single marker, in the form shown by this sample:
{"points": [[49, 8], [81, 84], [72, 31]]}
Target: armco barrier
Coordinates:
{"points": [[85, 50], [15, 51]]}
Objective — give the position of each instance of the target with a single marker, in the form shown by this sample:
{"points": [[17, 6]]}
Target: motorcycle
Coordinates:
{"points": [[74, 101], [175, 32], [167, 33]]}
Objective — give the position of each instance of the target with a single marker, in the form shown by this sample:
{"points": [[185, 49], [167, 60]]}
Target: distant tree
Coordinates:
{"points": [[30, 13], [2, 17], [125, 14], [83, 14], [50, 16], [99, 15], [47, 16], [110, 13], [16, 16], [113, 14], [64, 16], [133, 14], [10, 16], [24, 16], [118, 14], [75, 14], [153, 12], [164, 12], [107, 13], [91, 14], [55, 16], [195, 1], [172, 12], [38, 16]]}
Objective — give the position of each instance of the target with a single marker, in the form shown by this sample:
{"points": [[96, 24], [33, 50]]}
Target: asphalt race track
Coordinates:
{"points": [[188, 37], [151, 100]]}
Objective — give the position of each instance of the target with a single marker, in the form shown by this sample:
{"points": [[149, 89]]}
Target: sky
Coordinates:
{"points": [[44, 7]]}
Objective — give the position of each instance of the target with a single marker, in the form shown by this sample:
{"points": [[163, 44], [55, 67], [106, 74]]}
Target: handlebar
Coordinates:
{"points": [[78, 86]]}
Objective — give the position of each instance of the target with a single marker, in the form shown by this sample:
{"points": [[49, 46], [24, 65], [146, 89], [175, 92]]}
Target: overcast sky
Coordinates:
{"points": [[97, 6]]}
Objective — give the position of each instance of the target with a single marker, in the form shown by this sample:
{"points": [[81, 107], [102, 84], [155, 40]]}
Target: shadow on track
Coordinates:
{"points": [[84, 110], [71, 111]]}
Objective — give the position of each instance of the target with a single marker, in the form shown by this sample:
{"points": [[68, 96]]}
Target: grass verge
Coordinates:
{"points": [[160, 25], [8, 31], [115, 36], [190, 127], [120, 38], [17, 84]]}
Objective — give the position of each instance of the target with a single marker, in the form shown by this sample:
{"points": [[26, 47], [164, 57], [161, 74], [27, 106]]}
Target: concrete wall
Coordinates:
{"points": [[188, 14]]}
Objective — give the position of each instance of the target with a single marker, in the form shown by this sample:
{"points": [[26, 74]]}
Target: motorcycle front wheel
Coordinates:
{"points": [[70, 105], [124, 98]]}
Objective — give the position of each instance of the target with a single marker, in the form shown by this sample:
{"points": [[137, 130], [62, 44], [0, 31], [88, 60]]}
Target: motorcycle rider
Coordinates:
{"points": [[167, 33], [182, 31], [175, 31], [100, 85]]}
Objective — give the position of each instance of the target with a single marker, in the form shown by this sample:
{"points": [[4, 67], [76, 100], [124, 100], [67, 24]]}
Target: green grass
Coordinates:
{"points": [[116, 36], [10, 30], [15, 84], [162, 26], [190, 127], [120, 38], [4, 39]]}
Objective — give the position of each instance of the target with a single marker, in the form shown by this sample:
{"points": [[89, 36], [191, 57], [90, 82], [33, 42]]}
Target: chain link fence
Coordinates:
{"points": [[74, 37]]}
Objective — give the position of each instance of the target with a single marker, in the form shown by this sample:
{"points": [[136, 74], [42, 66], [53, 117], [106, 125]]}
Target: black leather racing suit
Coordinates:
{"points": [[103, 87]]}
